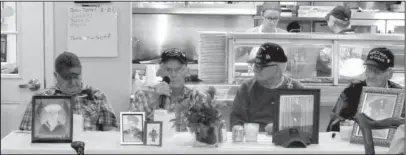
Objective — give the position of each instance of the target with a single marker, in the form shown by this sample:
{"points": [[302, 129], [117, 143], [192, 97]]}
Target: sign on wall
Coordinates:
{"points": [[92, 31]]}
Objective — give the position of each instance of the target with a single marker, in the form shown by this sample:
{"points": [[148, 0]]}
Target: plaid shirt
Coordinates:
{"points": [[147, 101], [91, 103]]}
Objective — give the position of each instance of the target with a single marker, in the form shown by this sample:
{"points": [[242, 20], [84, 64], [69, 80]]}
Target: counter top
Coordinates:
{"points": [[180, 143]]}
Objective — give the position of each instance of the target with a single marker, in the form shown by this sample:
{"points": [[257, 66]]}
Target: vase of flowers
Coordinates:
{"points": [[203, 120]]}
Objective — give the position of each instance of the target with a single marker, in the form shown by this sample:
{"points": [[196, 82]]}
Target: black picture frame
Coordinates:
{"points": [[147, 132], [124, 132], [315, 93], [369, 95], [41, 109]]}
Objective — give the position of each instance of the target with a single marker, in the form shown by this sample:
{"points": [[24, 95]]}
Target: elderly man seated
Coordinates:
{"points": [[255, 99], [180, 97], [90, 102], [379, 64]]}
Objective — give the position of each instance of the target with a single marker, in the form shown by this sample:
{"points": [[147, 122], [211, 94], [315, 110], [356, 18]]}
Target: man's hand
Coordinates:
{"points": [[162, 88]]}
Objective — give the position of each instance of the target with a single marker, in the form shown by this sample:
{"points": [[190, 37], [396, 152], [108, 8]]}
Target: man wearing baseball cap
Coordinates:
{"points": [[270, 13], [90, 102], [255, 98], [174, 69], [379, 64], [338, 21]]}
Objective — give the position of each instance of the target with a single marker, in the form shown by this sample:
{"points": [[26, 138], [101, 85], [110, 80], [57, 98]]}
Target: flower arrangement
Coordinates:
{"points": [[204, 118]]}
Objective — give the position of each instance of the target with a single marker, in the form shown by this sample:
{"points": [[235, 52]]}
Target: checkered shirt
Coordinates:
{"points": [[91, 103], [147, 101]]}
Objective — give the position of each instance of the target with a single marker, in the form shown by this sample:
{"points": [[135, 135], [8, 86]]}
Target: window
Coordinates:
{"points": [[8, 38]]}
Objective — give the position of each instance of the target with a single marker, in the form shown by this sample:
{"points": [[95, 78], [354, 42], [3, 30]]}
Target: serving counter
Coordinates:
{"points": [[181, 143]]}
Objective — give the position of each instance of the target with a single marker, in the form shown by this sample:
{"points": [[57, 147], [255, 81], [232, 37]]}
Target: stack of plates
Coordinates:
{"points": [[212, 58]]}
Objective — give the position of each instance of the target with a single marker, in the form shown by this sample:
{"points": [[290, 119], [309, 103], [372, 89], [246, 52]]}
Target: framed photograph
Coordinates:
{"points": [[298, 108], [378, 104], [153, 134], [52, 120], [132, 128]]}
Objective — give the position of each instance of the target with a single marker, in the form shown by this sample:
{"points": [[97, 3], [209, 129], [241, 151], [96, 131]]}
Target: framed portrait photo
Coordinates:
{"points": [[52, 119], [298, 108], [378, 104], [132, 128], [153, 133]]}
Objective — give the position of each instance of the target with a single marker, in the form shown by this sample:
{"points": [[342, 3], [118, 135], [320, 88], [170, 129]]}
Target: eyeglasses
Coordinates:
{"points": [[272, 18], [259, 68]]}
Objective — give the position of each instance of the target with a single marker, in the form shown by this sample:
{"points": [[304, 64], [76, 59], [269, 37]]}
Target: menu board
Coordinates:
{"points": [[92, 31]]}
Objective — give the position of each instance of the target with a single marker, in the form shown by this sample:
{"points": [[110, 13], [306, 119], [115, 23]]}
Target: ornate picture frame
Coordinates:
{"points": [[132, 128], [378, 104], [52, 120], [299, 108], [153, 133]]}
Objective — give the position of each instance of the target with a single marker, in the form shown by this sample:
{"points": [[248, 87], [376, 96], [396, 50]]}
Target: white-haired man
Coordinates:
{"points": [[52, 124], [254, 100]]}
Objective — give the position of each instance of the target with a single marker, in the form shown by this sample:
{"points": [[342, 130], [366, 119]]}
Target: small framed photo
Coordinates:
{"points": [[153, 134], [298, 108], [52, 120], [378, 104], [132, 128]]}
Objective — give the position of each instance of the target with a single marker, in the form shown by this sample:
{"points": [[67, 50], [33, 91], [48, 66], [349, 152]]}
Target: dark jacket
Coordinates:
{"points": [[253, 103], [347, 103], [58, 130]]}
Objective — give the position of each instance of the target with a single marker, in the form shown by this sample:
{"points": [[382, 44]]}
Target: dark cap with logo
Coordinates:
{"points": [[381, 58], [269, 52], [292, 138], [173, 53], [68, 63], [340, 12]]}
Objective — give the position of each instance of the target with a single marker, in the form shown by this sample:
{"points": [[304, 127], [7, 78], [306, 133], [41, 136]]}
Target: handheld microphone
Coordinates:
{"points": [[162, 98]]}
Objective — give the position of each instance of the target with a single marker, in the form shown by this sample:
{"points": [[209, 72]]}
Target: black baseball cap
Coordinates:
{"points": [[173, 53], [68, 63], [269, 52], [381, 58], [292, 138], [340, 12]]}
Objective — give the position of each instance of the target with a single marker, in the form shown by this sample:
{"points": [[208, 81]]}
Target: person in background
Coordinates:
{"points": [[90, 102], [174, 66], [254, 101], [294, 27], [338, 21], [270, 13], [379, 64]]}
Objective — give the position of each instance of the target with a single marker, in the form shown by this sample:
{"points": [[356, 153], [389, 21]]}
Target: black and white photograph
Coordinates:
{"points": [[52, 119], [298, 109], [132, 127], [204, 69], [153, 134], [378, 107], [379, 104]]}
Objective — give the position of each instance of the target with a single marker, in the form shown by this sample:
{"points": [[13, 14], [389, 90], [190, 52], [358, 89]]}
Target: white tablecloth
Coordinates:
{"points": [[181, 143]]}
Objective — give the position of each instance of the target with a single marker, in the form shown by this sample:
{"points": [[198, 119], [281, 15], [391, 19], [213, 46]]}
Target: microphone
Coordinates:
{"points": [[162, 98]]}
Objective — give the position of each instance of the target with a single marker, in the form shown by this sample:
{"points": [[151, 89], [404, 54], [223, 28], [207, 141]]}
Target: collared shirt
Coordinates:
{"points": [[254, 103], [91, 103], [347, 103], [147, 101]]}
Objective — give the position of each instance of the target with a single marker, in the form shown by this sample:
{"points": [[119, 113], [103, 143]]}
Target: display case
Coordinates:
{"points": [[321, 59]]}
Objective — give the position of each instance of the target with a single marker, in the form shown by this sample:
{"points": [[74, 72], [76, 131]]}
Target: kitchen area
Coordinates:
{"points": [[207, 30]]}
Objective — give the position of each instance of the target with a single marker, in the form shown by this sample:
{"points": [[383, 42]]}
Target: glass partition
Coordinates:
{"points": [[352, 58], [307, 63], [8, 45]]}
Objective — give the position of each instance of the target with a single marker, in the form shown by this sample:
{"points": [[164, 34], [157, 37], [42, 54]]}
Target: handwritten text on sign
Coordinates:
{"points": [[92, 31]]}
